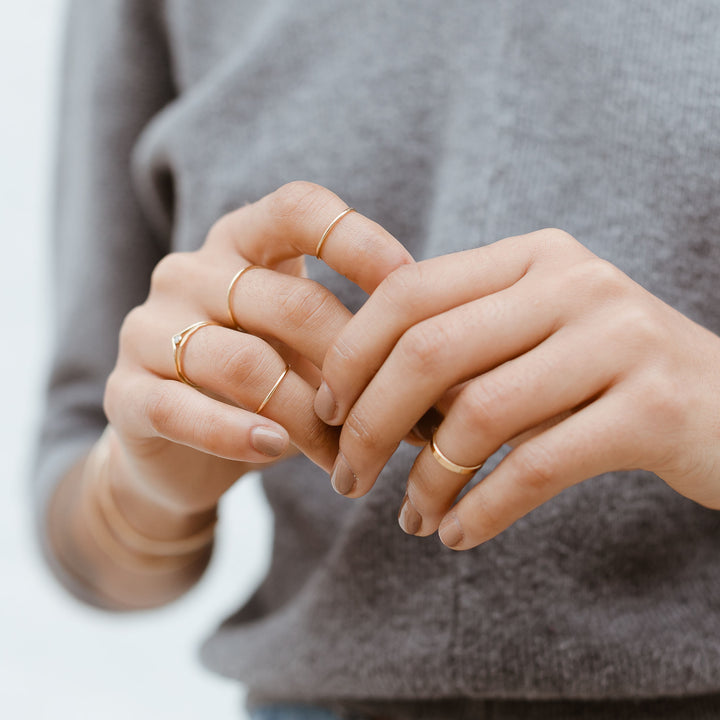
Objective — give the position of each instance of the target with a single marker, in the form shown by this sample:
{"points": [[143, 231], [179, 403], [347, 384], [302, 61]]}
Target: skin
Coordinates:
{"points": [[175, 449], [532, 341]]}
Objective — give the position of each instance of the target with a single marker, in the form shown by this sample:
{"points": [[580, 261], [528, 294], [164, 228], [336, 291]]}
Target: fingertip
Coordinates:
{"points": [[271, 441], [326, 407], [451, 532], [343, 479]]}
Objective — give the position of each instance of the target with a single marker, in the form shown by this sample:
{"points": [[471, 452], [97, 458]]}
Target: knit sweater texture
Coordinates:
{"points": [[453, 124]]}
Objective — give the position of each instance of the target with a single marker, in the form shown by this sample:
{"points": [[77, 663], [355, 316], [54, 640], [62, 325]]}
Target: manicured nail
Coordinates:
{"points": [[325, 403], [450, 531], [428, 424], [267, 441], [409, 518], [343, 479]]}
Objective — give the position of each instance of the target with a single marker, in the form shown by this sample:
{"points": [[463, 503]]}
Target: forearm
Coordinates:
{"points": [[118, 575]]}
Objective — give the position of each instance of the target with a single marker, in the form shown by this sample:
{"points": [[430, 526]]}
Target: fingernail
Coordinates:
{"points": [[343, 479], [409, 518], [428, 424], [325, 403], [450, 531], [267, 441]]}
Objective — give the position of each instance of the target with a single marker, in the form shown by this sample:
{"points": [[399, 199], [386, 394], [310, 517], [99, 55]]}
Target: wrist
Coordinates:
{"points": [[147, 512], [116, 575]]}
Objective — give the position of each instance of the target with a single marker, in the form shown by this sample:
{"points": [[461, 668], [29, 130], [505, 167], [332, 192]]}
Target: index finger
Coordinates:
{"points": [[291, 221]]}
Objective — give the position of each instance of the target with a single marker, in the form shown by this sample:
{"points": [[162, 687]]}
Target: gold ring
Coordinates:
{"points": [[231, 286], [448, 464], [179, 340], [273, 389], [330, 229]]}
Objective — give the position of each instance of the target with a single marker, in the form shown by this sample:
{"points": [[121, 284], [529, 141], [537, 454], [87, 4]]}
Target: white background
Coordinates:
{"points": [[59, 659]]}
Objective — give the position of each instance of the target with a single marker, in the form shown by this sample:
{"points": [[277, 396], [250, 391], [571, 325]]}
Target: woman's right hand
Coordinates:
{"points": [[188, 445]]}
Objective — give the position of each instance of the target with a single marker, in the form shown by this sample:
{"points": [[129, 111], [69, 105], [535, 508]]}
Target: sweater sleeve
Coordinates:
{"points": [[116, 77]]}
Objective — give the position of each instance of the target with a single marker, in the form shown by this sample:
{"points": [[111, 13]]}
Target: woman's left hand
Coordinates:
{"points": [[533, 340]]}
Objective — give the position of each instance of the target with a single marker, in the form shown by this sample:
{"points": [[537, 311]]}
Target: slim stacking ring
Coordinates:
{"points": [[273, 389], [448, 464], [179, 340], [329, 229], [233, 282]]}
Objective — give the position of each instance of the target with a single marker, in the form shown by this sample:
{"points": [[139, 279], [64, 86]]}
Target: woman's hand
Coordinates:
{"points": [[187, 445], [534, 339]]}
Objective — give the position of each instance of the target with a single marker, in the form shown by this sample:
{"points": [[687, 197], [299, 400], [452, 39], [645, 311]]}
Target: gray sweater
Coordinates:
{"points": [[453, 124]]}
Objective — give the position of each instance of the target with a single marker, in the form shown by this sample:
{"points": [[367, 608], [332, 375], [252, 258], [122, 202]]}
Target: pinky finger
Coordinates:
{"points": [[179, 413], [585, 444]]}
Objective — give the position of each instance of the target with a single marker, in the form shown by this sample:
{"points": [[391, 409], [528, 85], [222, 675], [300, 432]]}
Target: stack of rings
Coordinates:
{"points": [[180, 340]]}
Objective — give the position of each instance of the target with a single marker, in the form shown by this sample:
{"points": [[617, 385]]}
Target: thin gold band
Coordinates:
{"points": [[231, 286], [179, 340], [329, 229], [448, 464], [273, 389]]}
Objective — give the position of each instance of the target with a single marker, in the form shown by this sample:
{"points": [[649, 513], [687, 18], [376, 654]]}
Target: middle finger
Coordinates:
{"points": [[427, 360]]}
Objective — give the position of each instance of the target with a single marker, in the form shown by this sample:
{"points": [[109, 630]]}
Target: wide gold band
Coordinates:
{"points": [[179, 340], [330, 228], [273, 389], [233, 320], [448, 464]]}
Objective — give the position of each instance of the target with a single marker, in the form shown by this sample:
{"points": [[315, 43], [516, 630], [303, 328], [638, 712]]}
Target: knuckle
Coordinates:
{"points": [[558, 236], [479, 404], [400, 286], [636, 329], [341, 354], [534, 467], [304, 304], [160, 411], [422, 347], [112, 397], [598, 277], [170, 272], [131, 328], [666, 404], [553, 242], [294, 200], [242, 363], [222, 229], [555, 238], [360, 432]]}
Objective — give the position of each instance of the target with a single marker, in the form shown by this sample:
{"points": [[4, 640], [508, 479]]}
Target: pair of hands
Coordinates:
{"points": [[532, 340]]}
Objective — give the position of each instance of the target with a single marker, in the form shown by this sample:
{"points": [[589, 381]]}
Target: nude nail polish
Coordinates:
{"points": [[343, 479], [450, 531], [409, 518], [267, 441], [325, 403]]}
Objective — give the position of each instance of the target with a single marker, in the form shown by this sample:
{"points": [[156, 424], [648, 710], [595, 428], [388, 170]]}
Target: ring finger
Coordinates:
{"points": [[529, 391], [427, 360], [246, 371]]}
